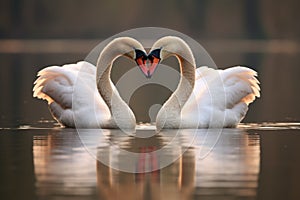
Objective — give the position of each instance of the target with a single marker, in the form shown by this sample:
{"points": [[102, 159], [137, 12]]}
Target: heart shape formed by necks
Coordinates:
{"points": [[148, 63]]}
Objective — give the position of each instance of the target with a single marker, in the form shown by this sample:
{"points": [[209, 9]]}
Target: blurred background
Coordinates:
{"points": [[262, 34], [246, 164]]}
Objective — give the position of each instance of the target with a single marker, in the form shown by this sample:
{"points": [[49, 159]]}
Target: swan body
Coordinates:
{"points": [[83, 96], [220, 98], [205, 97], [56, 84]]}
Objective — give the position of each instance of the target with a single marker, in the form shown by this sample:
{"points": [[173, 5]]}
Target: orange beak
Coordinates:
{"points": [[154, 63], [142, 65], [148, 66]]}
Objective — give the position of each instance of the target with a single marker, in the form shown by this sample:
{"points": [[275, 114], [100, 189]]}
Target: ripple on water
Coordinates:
{"points": [[271, 126], [50, 124]]}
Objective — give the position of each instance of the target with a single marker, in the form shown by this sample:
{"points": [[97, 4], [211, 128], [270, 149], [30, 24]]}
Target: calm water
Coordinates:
{"points": [[255, 161], [259, 160]]}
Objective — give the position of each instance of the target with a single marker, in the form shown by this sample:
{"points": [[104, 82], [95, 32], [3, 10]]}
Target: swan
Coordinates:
{"points": [[205, 97], [94, 101]]}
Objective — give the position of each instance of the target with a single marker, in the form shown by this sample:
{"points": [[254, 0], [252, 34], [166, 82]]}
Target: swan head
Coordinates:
{"points": [[122, 46], [166, 47], [130, 48]]}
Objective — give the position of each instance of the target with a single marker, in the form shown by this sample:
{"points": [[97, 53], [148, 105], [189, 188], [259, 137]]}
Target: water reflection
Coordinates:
{"points": [[219, 163], [260, 163], [215, 163], [61, 166]]}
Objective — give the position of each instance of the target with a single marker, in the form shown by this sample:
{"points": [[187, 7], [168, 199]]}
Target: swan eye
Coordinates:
{"points": [[155, 53], [140, 54]]}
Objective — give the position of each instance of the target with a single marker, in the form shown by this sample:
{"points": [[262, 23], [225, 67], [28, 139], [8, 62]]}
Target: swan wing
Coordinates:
{"points": [[72, 95], [55, 84], [240, 84], [220, 98]]}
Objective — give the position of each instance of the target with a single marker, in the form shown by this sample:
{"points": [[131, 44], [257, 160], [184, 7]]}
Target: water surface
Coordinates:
{"points": [[254, 161]]}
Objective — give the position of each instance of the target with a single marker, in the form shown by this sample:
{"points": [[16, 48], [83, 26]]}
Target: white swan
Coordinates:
{"points": [[205, 97], [81, 105]]}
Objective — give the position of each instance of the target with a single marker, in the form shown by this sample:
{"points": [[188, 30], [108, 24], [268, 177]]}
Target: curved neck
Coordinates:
{"points": [[186, 83], [170, 114], [104, 83], [121, 114]]}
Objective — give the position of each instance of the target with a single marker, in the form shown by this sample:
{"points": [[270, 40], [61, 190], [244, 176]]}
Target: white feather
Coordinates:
{"points": [[72, 95], [220, 98]]}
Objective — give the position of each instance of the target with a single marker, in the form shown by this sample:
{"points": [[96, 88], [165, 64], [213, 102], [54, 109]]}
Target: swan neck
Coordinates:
{"points": [[185, 87], [186, 82], [120, 111], [104, 83], [169, 115]]}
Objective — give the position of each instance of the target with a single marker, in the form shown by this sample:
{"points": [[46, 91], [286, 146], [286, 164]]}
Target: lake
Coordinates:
{"points": [[257, 160], [254, 161]]}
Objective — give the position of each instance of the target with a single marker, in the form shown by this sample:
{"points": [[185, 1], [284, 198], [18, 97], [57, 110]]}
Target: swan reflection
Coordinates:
{"points": [[61, 165], [172, 164], [210, 162]]}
